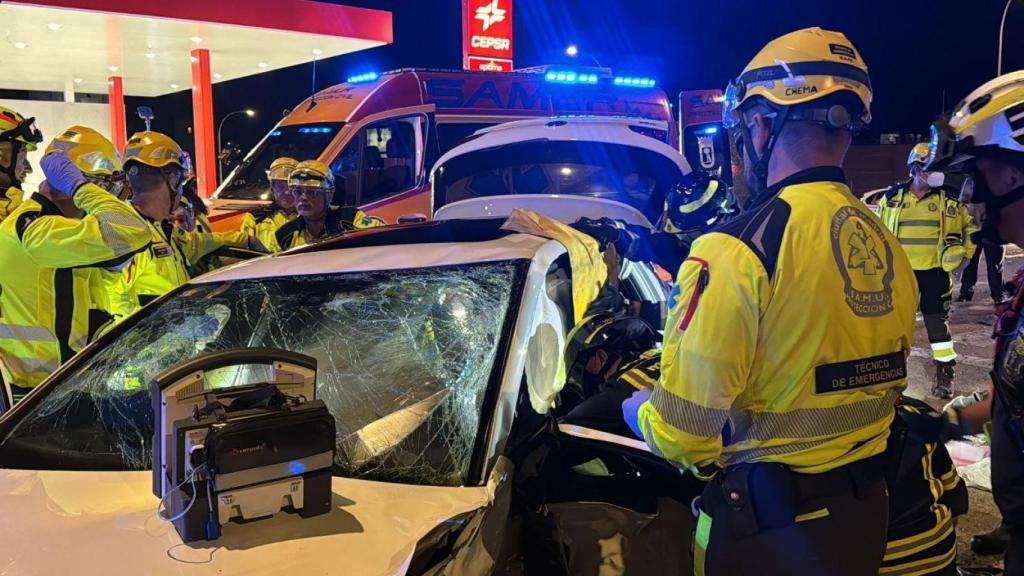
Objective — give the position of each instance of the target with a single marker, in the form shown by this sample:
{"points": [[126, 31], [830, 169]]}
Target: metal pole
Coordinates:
{"points": [[220, 165], [1002, 28]]}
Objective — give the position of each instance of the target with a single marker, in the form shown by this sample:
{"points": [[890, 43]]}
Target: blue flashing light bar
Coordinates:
{"points": [[314, 130], [365, 77], [634, 82], [709, 130], [570, 77]]}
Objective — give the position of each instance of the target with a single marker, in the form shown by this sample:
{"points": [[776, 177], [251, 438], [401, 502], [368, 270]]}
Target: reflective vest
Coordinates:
{"points": [[164, 265], [789, 336], [294, 233], [268, 227], [45, 288], [924, 225], [9, 200]]}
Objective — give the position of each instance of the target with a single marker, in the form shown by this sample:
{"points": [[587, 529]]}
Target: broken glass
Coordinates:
{"points": [[404, 358]]}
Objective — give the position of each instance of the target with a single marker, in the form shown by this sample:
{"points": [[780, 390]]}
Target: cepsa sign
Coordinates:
{"points": [[487, 35]]}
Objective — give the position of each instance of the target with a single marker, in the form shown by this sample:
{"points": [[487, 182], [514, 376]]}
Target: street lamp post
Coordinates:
{"points": [[1002, 28], [220, 165]]}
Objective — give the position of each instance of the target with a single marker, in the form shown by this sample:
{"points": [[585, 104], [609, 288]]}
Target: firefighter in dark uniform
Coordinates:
{"points": [[984, 138], [925, 494], [786, 349], [608, 356]]}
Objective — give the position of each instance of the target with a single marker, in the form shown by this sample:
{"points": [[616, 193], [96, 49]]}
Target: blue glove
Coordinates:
{"points": [[631, 410], [62, 173]]}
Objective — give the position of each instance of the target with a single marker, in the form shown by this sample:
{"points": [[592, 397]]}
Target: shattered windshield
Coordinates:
{"points": [[635, 176], [302, 142], [403, 361]]}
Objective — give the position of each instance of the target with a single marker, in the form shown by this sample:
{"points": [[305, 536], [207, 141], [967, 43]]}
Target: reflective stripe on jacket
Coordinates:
{"points": [[164, 265], [45, 289], [789, 337], [922, 225]]}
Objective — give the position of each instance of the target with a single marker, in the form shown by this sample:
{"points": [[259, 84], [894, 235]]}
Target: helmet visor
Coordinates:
{"points": [[25, 132], [730, 105]]}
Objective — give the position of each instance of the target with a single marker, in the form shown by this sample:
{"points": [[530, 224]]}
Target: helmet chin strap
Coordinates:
{"points": [[760, 162]]}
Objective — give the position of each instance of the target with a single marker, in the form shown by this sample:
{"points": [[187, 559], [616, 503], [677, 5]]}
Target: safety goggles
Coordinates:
{"points": [[306, 190], [279, 187], [26, 132]]}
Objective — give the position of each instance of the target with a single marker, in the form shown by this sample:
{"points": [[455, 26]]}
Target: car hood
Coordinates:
{"points": [[58, 522]]}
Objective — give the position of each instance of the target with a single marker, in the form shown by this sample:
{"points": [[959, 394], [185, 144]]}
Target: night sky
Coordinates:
{"points": [[921, 53]]}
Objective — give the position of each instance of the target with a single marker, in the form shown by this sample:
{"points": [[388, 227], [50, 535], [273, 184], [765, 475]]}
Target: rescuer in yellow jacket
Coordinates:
{"points": [[312, 185], [284, 203], [18, 137], [934, 228], [786, 347], [48, 254], [155, 168]]}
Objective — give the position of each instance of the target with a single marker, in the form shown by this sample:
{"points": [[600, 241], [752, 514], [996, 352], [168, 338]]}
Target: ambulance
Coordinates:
{"points": [[382, 133]]}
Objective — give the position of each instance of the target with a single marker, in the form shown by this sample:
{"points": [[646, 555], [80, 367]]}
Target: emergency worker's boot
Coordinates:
{"points": [[992, 543], [943, 388]]}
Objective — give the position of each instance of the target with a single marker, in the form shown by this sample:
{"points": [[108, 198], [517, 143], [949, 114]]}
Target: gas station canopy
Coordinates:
{"points": [[57, 45]]}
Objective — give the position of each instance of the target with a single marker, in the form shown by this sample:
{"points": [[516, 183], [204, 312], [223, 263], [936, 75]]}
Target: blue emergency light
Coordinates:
{"points": [[275, 133], [633, 82], [569, 77], [365, 77], [315, 130], [709, 130]]}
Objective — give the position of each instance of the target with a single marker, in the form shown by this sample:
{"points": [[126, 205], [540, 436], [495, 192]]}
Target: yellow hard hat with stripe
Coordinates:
{"points": [[798, 68], [90, 151], [919, 154], [312, 174], [281, 168], [153, 149], [16, 128]]}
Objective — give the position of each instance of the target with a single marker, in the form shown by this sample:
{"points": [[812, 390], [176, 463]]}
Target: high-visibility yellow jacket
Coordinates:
{"points": [[9, 200], [164, 265], [924, 225], [45, 287], [268, 227], [789, 336], [294, 233]]}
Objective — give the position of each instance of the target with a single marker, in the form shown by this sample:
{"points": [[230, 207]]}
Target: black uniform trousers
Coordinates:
{"points": [[1008, 486], [994, 267], [936, 287]]}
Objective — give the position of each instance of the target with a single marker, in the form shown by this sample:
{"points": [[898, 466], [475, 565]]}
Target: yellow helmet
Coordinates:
{"points": [[16, 128], [153, 149], [281, 168], [919, 154], [801, 67], [312, 174], [989, 120], [89, 150]]}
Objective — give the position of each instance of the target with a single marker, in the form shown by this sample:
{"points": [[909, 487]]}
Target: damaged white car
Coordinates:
{"points": [[439, 354]]}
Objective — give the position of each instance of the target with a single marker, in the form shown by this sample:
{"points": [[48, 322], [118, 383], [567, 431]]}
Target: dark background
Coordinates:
{"points": [[922, 54]]}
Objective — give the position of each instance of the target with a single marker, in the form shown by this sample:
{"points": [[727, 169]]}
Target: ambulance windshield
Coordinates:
{"points": [[635, 176], [301, 142]]}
